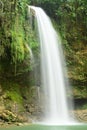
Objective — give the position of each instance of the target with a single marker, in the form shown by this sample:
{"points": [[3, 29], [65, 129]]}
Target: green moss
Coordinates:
{"points": [[12, 91], [14, 96]]}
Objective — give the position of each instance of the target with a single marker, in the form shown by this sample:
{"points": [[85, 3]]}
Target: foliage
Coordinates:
{"points": [[15, 36]]}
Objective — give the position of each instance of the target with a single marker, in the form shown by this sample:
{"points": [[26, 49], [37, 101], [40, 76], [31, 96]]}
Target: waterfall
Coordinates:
{"points": [[52, 71]]}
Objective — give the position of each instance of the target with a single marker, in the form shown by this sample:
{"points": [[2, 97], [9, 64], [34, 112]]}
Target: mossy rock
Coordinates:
{"points": [[11, 91]]}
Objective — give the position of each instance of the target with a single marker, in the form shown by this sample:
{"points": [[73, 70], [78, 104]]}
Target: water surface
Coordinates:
{"points": [[43, 127]]}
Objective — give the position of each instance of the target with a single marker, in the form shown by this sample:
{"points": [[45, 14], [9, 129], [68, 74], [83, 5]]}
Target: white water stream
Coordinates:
{"points": [[51, 69]]}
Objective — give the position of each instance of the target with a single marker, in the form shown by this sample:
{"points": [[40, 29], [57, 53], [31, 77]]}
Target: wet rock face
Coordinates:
{"points": [[32, 103]]}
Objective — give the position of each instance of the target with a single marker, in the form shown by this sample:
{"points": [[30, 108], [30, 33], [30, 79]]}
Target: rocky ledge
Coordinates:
{"points": [[81, 115], [9, 118]]}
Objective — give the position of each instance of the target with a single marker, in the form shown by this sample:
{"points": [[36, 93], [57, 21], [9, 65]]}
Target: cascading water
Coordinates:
{"points": [[51, 69]]}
